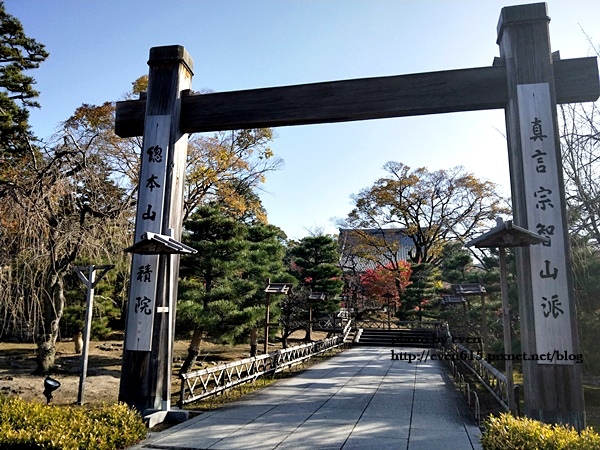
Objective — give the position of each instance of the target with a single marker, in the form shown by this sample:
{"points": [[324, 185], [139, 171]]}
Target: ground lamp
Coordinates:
{"points": [[273, 288], [50, 385], [503, 235], [160, 244]]}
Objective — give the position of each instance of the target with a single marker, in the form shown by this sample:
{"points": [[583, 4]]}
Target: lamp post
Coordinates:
{"points": [[90, 282], [388, 297], [273, 288], [504, 235], [313, 297], [470, 289]]}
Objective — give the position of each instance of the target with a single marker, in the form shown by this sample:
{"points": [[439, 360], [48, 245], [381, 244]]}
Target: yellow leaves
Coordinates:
{"points": [[92, 116], [140, 85], [429, 206], [266, 154], [227, 167]]}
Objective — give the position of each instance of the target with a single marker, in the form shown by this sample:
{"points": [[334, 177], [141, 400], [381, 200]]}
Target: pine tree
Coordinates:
{"points": [[209, 274], [222, 291], [18, 53], [316, 265], [421, 290]]}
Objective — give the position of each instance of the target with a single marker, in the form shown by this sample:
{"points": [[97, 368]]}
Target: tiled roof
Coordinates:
{"points": [[362, 249]]}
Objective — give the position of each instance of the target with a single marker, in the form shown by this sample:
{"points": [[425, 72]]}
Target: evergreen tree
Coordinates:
{"points": [[421, 290], [456, 261], [315, 264], [18, 53], [293, 314], [208, 277], [265, 261], [222, 291]]}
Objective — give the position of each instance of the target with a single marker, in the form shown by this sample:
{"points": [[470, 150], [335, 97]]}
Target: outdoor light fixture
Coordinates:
{"points": [[50, 385], [504, 235], [273, 288], [317, 296], [159, 244], [313, 297]]}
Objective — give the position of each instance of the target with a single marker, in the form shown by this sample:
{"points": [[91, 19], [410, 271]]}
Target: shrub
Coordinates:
{"points": [[25, 425], [506, 432]]}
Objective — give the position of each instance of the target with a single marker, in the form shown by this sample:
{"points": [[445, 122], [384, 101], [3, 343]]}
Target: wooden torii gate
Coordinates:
{"points": [[527, 81]]}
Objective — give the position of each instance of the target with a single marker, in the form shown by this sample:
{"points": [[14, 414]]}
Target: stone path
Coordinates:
{"points": [[359, 399]]}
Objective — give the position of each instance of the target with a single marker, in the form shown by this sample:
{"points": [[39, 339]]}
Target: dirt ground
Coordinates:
{"points": [[17, 361]]}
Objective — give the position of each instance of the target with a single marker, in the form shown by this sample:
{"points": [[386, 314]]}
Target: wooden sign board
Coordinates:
{"points": [[153, 170], [552, 313]]}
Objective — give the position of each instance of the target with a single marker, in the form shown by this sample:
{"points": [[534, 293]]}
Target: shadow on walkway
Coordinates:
{"points": [[359, 399]]}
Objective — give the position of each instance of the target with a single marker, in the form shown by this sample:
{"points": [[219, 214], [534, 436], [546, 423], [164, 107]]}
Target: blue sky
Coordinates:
{"points": [[99, 47]]}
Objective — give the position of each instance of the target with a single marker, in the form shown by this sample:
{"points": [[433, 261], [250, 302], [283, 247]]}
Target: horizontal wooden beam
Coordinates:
{"points": [[483, 88], [576, 80]]}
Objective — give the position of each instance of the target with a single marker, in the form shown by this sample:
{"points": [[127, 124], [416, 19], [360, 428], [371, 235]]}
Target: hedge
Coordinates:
{"points": [[506, 432], [27, 425]]}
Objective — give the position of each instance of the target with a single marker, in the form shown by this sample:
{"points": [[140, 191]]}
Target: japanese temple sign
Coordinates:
{"points": [[541, 180], [140, 318]]}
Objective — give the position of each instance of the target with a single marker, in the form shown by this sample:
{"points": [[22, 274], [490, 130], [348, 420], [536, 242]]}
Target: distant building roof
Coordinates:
{"points": [[362, 249]]}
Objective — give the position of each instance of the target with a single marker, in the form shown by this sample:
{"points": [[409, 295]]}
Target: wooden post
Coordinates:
{"points": [[309, 328], [144, 371], [506, 325], [484, 325], [253, 340], [267, 318], [387, 307], [552, 381]]}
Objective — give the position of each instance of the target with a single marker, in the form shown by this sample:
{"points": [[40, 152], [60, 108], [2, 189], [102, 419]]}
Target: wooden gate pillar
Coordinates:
{"points": [[552, 380], [160, 207]]}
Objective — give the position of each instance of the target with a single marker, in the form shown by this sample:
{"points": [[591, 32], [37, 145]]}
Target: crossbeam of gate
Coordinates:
{"points": [[480, 88]]}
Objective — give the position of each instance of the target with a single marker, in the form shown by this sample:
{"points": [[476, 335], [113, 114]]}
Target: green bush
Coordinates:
{"points": [[506, 432], [25, 425]]}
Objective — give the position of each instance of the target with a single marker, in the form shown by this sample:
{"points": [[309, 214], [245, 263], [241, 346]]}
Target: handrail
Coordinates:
{"points": [[467, 391], [493, 380], [347, 329], [204, 383], [396, 324]]}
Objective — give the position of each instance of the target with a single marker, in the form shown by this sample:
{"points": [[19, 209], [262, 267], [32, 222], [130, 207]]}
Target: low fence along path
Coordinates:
{"points": [[359, 399]]}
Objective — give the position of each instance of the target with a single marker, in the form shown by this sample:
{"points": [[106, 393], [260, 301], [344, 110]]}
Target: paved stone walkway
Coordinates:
{"points": [[359, 399]]}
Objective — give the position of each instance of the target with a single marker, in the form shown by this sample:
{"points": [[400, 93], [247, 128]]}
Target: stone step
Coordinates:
{"points": [[397, 338]]}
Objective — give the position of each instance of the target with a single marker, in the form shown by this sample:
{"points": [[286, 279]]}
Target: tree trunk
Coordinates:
{"points": [[254, 341], [193, 351], [55, 304], [284, 337], [46, 354]]}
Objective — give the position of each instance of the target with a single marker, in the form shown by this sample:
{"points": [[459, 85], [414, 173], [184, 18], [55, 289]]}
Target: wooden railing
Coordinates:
{"points": [[203, 383], [493, 380], [470, 395], [396, 324]]}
